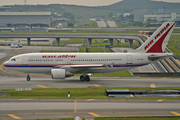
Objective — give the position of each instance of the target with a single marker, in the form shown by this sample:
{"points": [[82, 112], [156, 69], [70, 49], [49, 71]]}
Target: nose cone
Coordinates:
{"points": [[6, 63]]}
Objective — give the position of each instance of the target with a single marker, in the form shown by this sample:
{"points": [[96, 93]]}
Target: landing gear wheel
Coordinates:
{"points": [[82, 79], [87, 78], [28, 78]]}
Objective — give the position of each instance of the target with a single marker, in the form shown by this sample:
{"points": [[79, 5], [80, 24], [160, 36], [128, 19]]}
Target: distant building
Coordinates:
{"points": [[7, 19], [163, 15], [4, 8], [123, 14], [59, 21], [157, 14], [126, 14], [119, 14], [92, 19]]}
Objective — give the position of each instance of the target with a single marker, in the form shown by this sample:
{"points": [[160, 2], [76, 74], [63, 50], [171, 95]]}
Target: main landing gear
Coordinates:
{"points": [[84, 78], [28, 77]]}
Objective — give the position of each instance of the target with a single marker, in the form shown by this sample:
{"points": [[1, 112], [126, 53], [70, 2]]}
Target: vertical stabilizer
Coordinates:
{"points": [[158, 41]]}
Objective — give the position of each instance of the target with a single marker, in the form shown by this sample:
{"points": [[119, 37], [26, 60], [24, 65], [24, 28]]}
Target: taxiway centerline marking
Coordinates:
{"points": [[2, 65], [160, 100], [113, 77], [93, 114], [164, 78], [151, 81], [4, 62], [96, 85], [41, 86], [75, 106], [13, 116], [25, 99], [175, 113], [90, 99], [18, 52]]}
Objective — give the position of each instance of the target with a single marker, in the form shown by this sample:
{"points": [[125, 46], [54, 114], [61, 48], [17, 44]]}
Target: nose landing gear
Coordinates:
{"points": [[28, 77]]}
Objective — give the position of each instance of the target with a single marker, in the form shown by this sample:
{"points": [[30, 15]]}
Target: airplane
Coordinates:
{"points": [[63, 65]]}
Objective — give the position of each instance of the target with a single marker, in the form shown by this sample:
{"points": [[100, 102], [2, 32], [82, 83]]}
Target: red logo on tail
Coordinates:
{"points": [[159, 34]]}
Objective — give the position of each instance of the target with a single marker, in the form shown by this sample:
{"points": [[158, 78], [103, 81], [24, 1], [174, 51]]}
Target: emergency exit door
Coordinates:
{"points": [[68, 61], [129, 59], [25, 61]]}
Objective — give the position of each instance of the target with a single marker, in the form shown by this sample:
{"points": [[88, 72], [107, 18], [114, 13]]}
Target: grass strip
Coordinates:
{"points": [[83, 93]]}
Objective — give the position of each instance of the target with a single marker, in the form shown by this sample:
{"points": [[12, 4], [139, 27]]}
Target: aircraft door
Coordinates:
{"points": [[25, 60], [129, 59], [68, 60]]}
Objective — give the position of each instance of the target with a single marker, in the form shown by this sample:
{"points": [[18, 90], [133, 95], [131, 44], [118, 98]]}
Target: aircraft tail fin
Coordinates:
{"points": [[158, 41]]}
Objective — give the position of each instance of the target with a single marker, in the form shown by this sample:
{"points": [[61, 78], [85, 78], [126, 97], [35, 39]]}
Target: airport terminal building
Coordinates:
{"points": [[158, 15], [7, 19]]}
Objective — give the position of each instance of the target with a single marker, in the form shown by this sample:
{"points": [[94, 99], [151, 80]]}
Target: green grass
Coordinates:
{"points": [[92, 25], [114, 74], [126, 44], [98, 49], [124, 73], [86, 24], [73, 41], [83, 93], [174, 40], [82, 49], [58, 93]]}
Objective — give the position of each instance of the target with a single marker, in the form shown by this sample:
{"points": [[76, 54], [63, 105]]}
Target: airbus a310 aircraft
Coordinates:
{"points": [[62, 65]]}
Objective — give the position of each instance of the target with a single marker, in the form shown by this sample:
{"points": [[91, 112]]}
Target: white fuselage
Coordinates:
{"points": [[45, 62]]}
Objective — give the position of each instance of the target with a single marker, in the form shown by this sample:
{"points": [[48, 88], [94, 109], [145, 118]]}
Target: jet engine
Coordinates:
{"points": [[60, 74]]}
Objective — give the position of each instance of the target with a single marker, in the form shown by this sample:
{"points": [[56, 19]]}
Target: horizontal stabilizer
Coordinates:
{"points": [[158, 57]]}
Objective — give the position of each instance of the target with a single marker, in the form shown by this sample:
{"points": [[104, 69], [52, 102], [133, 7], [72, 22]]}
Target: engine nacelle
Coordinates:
{"points": [[60, 74]]}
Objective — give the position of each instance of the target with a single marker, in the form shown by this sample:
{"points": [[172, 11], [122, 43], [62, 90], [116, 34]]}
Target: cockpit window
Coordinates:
{"points": [[13, 59]]}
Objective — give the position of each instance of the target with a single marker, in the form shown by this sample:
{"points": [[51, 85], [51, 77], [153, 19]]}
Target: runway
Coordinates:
{"points": [[62, 108]]}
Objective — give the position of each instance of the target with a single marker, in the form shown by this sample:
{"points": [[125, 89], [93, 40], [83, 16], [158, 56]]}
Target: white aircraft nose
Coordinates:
{"points": [[5, 63]]}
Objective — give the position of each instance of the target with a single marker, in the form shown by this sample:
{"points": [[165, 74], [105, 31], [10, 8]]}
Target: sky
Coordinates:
{"points": [[75, 2]]}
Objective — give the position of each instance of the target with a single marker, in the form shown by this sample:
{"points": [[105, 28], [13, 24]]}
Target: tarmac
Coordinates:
{"points": [[85, 108]]}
